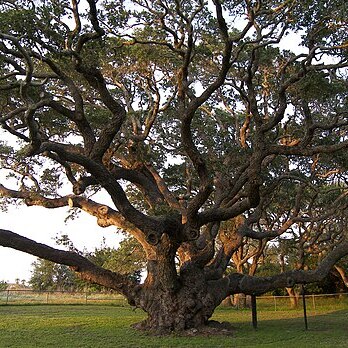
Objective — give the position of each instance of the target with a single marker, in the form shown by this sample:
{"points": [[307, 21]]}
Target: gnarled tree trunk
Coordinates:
{"points": [[176, 301], [188, 305]]}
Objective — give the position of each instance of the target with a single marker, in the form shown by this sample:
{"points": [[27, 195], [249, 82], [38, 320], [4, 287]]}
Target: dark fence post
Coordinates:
{"points": [[254, 311], [304, 306]]}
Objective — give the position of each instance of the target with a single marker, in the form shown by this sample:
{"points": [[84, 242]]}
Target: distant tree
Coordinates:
{"points": [[3, 285], [128, 260], [47, 275]]}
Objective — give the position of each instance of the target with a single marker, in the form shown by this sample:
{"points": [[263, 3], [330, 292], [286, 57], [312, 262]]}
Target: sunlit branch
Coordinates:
{"points": [[86, 269]]}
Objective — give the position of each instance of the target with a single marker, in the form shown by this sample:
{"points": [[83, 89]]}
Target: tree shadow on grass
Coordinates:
{"points": [[324, 330]]}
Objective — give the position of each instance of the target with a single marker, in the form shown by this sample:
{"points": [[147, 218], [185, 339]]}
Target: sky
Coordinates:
{"points": [[43, 225]]}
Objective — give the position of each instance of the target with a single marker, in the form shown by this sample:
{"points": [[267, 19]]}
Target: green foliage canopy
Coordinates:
{"points": [[191, 116]]}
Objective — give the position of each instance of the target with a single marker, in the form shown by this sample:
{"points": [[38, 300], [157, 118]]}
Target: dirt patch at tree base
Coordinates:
{"points": [[213, 328]]}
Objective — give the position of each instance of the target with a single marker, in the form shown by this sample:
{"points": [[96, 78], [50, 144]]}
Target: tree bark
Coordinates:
{"points": [[227, 302], [293, 296], [239, 301], [189, 305], [342, 274]]}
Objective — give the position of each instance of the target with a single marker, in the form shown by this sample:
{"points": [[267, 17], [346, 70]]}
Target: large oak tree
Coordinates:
{"points": [[198, 121]]}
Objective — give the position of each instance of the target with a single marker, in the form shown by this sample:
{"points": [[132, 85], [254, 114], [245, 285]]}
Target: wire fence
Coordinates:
{"points": [[8, 297], [315, 303]]}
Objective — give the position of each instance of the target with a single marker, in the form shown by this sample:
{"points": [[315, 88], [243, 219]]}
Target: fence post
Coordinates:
{"points": [[275, 303], [313, 300], [304, 306], [7, 295], [86, 296], [254, 311], [47, 297]]}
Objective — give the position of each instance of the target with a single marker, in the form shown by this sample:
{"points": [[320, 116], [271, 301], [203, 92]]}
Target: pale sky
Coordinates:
{"points": [[42, 225]]}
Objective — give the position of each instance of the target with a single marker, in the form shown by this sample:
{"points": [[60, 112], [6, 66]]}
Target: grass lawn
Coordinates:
{"points": [[109, 326]]}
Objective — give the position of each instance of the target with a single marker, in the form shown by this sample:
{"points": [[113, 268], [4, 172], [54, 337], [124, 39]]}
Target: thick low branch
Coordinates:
{"points": [[239, 283], [86, 269], [153, 227], [105, 215]]}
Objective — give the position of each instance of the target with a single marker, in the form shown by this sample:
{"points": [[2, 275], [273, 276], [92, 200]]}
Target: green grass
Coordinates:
{"points": [[109, 326]]}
